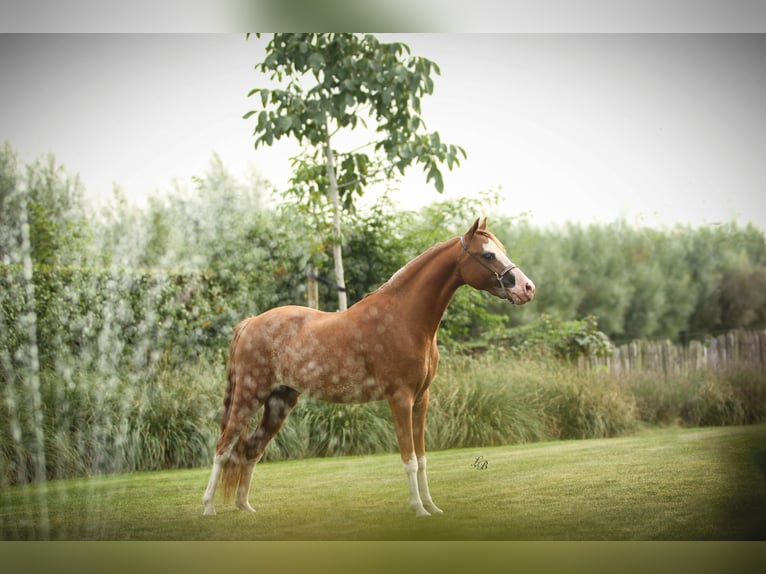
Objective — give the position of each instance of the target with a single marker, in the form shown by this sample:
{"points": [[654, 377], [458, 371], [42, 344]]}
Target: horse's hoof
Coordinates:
{"points": [[246, 507], [421, 512]]}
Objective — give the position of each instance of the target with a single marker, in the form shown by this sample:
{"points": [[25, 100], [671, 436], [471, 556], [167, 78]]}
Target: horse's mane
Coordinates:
{"points": [[414, 265]]}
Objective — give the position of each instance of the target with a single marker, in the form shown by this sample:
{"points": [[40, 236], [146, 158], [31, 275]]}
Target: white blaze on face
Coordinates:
{"points": [[492, 247]]}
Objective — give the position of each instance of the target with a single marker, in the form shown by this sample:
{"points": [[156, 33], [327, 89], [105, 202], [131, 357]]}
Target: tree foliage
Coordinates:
{"points": [[339, 81], [335, 83], [43, 204], [642, 282], [216, 264]]}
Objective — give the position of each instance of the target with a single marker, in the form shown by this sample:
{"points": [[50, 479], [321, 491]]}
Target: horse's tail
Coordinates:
{"points": [[233, 469], [231, 378], [234, 463]]}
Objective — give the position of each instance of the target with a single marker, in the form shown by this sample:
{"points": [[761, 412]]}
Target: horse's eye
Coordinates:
{"points": [[489, 256]]}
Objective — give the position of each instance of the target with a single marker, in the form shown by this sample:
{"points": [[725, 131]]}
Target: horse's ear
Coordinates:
{"points": [[471, 232], [483, 224]]}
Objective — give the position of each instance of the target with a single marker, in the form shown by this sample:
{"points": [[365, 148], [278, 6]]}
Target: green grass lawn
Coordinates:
{"points": [[669, 484]]}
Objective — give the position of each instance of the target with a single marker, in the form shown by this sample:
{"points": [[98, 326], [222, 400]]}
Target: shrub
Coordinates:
{"points": [[84, 312], [549, 336]]}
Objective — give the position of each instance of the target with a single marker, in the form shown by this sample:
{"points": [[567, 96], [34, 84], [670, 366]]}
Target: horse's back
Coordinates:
{"points": [[319, 353], [277, 325]]}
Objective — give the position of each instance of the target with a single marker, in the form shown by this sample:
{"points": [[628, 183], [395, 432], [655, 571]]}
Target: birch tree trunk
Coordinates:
{"points": [[313, 288], [337, 252]]}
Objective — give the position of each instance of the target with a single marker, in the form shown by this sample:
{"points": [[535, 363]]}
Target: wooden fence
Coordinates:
{"points": [[736, 348]]}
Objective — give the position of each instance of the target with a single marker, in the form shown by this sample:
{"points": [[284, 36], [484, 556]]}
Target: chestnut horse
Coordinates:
{"points": [[381, 348]]}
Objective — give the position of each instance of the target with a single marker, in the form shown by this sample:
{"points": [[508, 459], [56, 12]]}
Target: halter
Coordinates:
{"points": [[499, 275]]}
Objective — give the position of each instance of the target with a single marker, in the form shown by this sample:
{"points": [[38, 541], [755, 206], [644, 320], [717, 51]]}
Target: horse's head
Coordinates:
{"points": [[486, 266]]}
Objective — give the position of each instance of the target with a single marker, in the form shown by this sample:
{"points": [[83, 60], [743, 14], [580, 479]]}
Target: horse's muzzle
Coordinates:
{"points": [[523, 291]]}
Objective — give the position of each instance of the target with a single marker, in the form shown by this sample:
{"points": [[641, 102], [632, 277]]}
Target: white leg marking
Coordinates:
{"points": [[209, 496], [411, 469], [425, 495]]}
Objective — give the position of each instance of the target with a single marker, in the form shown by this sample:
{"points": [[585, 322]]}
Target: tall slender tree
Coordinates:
{"points": [[331, 83]]}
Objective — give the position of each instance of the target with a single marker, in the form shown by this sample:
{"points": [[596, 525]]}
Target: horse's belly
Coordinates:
{"points": [[345, 381], [346, 391]]}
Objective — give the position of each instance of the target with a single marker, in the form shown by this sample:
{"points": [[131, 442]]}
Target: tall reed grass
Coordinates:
{"points": [[169, 417], [496, 399], [93, 424], [735, 395]]}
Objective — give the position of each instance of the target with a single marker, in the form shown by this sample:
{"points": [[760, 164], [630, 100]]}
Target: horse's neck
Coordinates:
{"points": [[424, 287]]}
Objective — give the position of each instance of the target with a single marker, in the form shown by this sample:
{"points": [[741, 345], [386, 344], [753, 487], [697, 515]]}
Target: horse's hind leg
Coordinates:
{"points": [[222, 454], [209, 496], [275, 410], [241, 410]]}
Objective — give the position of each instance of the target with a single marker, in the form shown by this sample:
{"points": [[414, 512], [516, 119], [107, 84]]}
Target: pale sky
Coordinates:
{"points": [[659, 129]]}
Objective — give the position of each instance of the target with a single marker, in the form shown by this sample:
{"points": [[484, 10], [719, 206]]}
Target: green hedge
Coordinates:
{"points": [[119, 316]]}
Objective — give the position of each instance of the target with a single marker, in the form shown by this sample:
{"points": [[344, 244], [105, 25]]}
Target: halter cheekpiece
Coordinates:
{"points": [[497, 274]]}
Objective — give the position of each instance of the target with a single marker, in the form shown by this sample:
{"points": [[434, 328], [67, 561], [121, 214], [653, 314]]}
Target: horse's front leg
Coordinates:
{"points": [[419, 436], [401, 411]]}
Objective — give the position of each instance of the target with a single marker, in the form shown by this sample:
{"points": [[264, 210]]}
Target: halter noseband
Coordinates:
{"points": [[499, 275]]}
